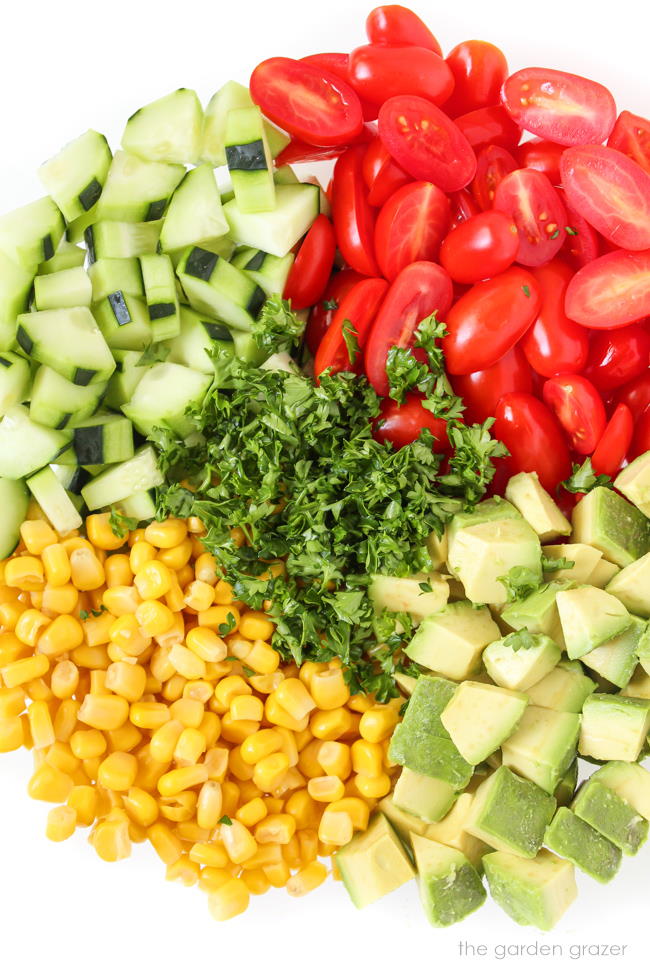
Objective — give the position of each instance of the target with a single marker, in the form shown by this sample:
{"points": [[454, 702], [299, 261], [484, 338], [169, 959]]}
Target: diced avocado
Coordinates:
{"points": [[604, 810], [519, 669], [480, 555], [492, 509], [420, 595], [537, 506], [402, 822], [510, 814], [536, 892], [610, 523], [584, 846], [452, 640], [373, 863], [634, 483], [423, 796], [639, 686], [589, 618], [584, 557], [632, 586], [543, 746], [629, 781], [566, 789], [405, 682], [614, 728], [538, 612], [451, 830], [616, 659], [565, 689], [450, 887], [602, 574], [479, 717], [643, 650], [438, 549]]}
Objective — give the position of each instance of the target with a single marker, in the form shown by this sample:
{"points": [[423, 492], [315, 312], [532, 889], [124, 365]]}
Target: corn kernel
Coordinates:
{"points": [[125, 739], [86, 570], [238, 841], [166, 534], [166, 845], [65, 720], [293, 696], [275, 714], [373, 787], [184, 871], [36, 536], [205, 569], [263, 658], [12, 702], [187, 663], [378, 723], [12, 649], [190, 713], [29, 626], [25, 572], [256, 881], [149, 714], [306, 880], [61, 823], [256, 626], [190, 747], [206, 644], [154, 618], [40, 724], [252, 813], [269, 771], [111, 840], [106, 712], [278, 828], [180, 779], [118, 771], [179, 808], [277, 874], [127, 680], [326, 788], [309, 669], [64, 679], [229, 900], [126, 633], [117, 570], [49, 784], [367, 758], [334, 758], [330, 725], [101, 534], [245, 707], [209, 854], [329, 690], [12, 733], [153, 579], [220, 618], [83, 801], [121, 600]]}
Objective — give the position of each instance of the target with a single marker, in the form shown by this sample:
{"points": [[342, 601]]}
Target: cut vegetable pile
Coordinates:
{"points": [[325, 512]]}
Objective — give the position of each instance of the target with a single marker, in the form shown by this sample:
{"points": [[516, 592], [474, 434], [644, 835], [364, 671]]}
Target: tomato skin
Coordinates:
{"points": [[559, 106], [582, 244], [542, 155], [463, 206], [641, 440], [611, 291], [417, 292], [479, 69], [534, 438], [618, 357], [337, 63], [555, 345], [636, 394], [615, 442], [378, 72], [493, 163], [578, 406], [525, 196], [489, 126], [489, 320], [312, 267], [320, 317], [479, 248], [428, 145], [352, 215], [397, 25], [481, 391], [410, 227], [400, 423], [298, 151], [382, 174], [631, 135], [359, 307]]}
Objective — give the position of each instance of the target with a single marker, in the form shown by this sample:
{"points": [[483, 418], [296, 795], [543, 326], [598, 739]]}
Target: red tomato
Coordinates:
{"points": [[582, 244], [562, 107], [489, 319], [298, 151], [534, 438], [353, 217], [493, 163], [615, 442], [489, 126], [542, 155], [337, 63], [636, 394], [578, 406], [479, 248], [417, 292], [359, 308], [397, 25], [613, 290], [426, 143], [479, 70], [400, 423], [322, 314], [312, 267], [463, 206], [309, 102], [481, 391], [618, 357], [377, 72], [631, 135], [555, 344], [641, 442], [382, 174], [611, 191], [528, 198], [410, 227]]}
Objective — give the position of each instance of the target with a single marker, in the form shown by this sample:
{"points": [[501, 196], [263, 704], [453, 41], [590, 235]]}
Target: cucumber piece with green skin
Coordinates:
{"points": [[31, 234], [127, 375], [163, 396], [268, 271], [55, 501], [140, 473], [216, 288], [15, 287], [199, 335], [62, 289], [69, 341], [26, 446], [75, 177], [137, 190], [102, 439], [232, 96], [56, 402], [141, 506], [195, 214], [15, 379], [67, 255], [249, 160], [168, 129], [160, 292], [72, 477], [285, 176], [110, 274], [124, 321], [120, 239], [276, 231], [14, 501]]}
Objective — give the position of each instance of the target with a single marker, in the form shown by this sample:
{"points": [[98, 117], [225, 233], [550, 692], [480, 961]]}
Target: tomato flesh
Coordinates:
{"points": [[479, 69], [382, 174], [612, 291], [313, 265], [337, 63], [631, 135], [582, 244], [352, 215], [615, 442], [378, 72], [555, 345], [410, 227], [480, 247], [578, 406], [482, 390], [400, 423], [358, 308], [394, 24], [493, 163], [529, 199], [534, 438]]}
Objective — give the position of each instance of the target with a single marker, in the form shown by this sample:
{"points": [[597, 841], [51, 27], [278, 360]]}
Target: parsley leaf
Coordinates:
{"points": [[121, 525], [572, 232], [153, 353], [406, 373], [521, 640], [83, 614], [425, 587], [526, 290], [225, 821], [278, 328], [555, 565], [330, 304], [520, 582], [584, 478], [225, 628], [351, 339]]}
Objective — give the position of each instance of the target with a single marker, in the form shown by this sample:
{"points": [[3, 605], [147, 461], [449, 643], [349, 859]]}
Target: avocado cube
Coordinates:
{"points": [[567, 787], [405, 682], [451, 831], [585, 559], [402, 822], [634, 483], [438, 548], [373, 863], [614, 728], [538, 612], [519, 669], [566, 688], [643, 650], [603, 574], [452, 640], [543, 746], [639, 686], [629, 781], [405, 595], [604, 810], [537, 506], [610, 523], [481, 554], [584, 846], [589, 618], [616, 659], [536, 892], [423, 796], [479, 717], [492, 509], [510, 814], [450, 887], [632, 586]]}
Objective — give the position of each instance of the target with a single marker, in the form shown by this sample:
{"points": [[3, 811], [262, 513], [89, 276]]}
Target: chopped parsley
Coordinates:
{"points": [[121, 525], [406, 373], [520, 582], [584, 478], [351, 339], [521, 640], [278, 328], [526, 290], [555, 565]]}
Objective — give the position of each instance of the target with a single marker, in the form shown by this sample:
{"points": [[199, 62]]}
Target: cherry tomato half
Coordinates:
{"points": [[377, 72], [410, 227], [534, 438], [312, 267], [382, 174], [559, 106], [528, 198], [352, 215], [417, 292], [542, 155], [611, 291], [322, 314], [636, 394], [480, 247], [631, 135], [615, 442], [618, 357], [426, 143], [641, 441], [463, 206], [493, 163], [481, 391], [582, 244], [555, 345], [394, 24], [358, 308], [337, 63], [489, 320], [489, 126], [479, 69], [400, 423], [578, 406]]}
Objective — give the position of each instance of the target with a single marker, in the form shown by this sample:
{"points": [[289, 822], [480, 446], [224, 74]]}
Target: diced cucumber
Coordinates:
{"points": [[168, 129], [277, 230], [195, 214], [76, 231], [137, 190], [268, 271], [127, 375], [110, 274], [214, 287], [67, 255], [160, 291], [15, 378], [106, 438], [26, 446], [285, 176], [71, 477], [232, 96], [75, 177], [56, 402], [115, 239], [69, 341], [15, 286], [141, 506], [163, 396], [14, 501], [246, 347], [32, 233], [124, 321], [249, 160], [140, 473], [62, 289], [198, 335], [55, 501]]}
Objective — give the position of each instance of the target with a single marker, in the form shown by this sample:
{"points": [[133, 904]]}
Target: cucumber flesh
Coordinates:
{"points": [[119, 239], [268, 271], [195, 214], [219, 290], [137, 190], [71, 477], [56, 402], [102, 439], [110, 274], [198, 335], [285, 176], [124, 321], [26, 446], [32, 233], [162, 300], [163, 396], [62, 289], [141, 506], [69, 341], [75, 177], [67, 255], [167, 130], [278, 230], [14, 501], [15, 286], [140, 473], [15, 379], [123, 382], [54, 501], [249, 161], [232, 96]]}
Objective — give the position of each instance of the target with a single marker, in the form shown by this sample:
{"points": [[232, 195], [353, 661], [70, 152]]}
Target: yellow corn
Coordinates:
{"points": [[256, 626], [149, 714], [277, 874], [49, 784], [205, 569], [256, 881], [61, 823], [166, 534], [190, 747], [330, 725], [141, 806], [154, 617], [367, 758], [180, 779], [245, 707], [65, 720], [11, 649], [373, 787], [25, 572], [206, 644], [275, 714], [278, 828], [229, 688], [238, 841], [106, 712], [187, 663], [36, 536], [12, 733], [64, 679], [110, 839], [101, 534], [23, 671], [12, 702], [378, 723], [83, 801], [118, 771], [335, 759], [356, 808], [210, 854], [329, 690], [229, 900], [40, 724], [87, 744], [125, 739], [97, 629], [126, 633], [269, 771], [306, 880], [121, 600], [189, 712], [263, 658], [153, 579], [326, 788], [293, 696], [253, 812], [29, 626], [223, 594], [117, 570], [126, 680], [178, 556], [86, 570]]}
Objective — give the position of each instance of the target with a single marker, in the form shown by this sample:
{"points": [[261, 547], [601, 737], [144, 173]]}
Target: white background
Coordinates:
{"points": [[70, 65]]}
